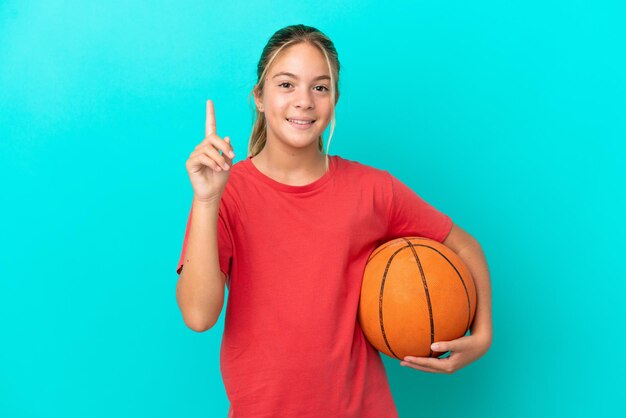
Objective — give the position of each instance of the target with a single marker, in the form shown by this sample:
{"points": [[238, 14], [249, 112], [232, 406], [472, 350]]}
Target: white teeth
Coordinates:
{"points": [[300, 122]]}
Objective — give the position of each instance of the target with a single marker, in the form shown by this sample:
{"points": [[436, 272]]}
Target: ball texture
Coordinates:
{"points": [[415, 291]]}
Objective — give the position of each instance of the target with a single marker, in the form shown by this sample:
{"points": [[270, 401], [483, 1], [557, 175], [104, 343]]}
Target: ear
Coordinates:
{"points": [[257, 100]]}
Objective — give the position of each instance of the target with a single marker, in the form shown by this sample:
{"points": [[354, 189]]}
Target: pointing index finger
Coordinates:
{"points": [[210, 118]]}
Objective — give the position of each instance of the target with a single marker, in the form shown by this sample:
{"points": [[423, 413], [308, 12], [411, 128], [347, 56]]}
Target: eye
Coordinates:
{"points": [[324, 87], [283, 83]]}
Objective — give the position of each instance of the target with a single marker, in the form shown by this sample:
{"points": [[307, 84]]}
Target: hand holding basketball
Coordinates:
{"points": [[208, 169], [463, 351], [418, 298], [414, 292]]}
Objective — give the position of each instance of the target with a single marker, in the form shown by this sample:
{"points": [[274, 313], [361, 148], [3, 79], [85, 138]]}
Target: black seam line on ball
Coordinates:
{"points": [[380, 302], [469, 304], [383, 247], [380, 299], [430, 305]]}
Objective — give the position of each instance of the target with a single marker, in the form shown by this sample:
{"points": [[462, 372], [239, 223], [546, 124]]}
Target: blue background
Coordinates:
{"points": [[508, 116]]}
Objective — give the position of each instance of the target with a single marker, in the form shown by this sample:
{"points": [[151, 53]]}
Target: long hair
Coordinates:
{"points": [[287, 36]]}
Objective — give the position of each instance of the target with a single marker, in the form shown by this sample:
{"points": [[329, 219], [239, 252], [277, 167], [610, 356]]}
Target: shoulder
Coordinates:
{"points": [[362, 171]]}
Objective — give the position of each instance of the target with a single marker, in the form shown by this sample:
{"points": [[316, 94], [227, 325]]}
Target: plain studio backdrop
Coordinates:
{"points": [[508, 116]]}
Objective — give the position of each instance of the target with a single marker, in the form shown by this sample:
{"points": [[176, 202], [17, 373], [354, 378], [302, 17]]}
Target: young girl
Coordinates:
{"points": [[289, 230]]}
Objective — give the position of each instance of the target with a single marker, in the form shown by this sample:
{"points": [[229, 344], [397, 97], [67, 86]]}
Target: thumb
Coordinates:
{"points": [[441, 346], [459, 344]]}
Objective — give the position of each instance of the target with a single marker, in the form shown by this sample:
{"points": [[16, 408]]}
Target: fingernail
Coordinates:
{"points": [[226, 166], [231, 154], [435, 346]]}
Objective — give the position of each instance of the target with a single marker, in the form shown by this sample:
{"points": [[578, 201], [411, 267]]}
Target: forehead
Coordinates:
{"points": [[304, 61]]}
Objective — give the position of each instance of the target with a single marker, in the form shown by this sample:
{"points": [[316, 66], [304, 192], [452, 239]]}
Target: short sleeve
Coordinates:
{"points": [[410, 215], [224, 243]]}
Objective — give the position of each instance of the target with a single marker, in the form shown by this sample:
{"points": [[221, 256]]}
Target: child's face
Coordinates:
{"points": [[285, 97]]}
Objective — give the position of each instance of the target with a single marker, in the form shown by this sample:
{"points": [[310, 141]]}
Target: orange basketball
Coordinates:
{"points": [[415, 291]]}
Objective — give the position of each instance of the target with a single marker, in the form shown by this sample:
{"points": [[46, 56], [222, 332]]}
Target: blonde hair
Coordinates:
{"points": [[288, 36]]}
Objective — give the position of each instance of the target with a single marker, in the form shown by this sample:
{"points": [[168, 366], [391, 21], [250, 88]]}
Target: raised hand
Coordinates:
{"points": [[208, 169]]}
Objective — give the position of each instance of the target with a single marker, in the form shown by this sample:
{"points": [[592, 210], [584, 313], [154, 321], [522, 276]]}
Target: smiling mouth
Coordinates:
{"points": [[301, 122]]}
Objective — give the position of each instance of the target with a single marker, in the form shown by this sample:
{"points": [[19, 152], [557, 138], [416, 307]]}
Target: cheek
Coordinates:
{"points": [[274, 118], [325, 107], [276, 108]]}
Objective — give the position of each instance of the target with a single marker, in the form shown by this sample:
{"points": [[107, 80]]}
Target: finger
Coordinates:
{"points": [[440, 346], [200, 160], [209, 162], [422, 368], [209, 149], [229, 152], [205, 141], [222, 145], [213, 153], [210, 127], [428, 362], [458, 344]]}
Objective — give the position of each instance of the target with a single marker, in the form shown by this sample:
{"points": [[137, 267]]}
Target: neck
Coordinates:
{"points": [[289, 165]]}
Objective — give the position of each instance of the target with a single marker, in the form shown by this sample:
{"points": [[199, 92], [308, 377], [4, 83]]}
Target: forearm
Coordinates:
{"points": [[200, 290], [474, 257]]}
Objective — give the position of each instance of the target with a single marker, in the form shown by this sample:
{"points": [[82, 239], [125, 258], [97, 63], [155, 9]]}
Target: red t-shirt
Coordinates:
{"points": [[294, 257]]}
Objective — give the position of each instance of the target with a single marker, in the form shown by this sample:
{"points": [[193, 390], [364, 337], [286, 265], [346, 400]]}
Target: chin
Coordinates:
{"points": [[301, 144]]}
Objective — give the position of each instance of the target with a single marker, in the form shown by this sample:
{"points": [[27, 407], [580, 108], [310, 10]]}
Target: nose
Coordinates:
{"points": [[304, 99]]}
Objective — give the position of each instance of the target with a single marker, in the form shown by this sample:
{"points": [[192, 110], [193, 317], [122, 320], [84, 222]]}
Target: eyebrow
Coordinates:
{"points": [[319, 77]]}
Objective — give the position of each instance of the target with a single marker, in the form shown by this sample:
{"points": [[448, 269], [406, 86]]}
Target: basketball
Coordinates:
{"points": [[415, 291]]}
